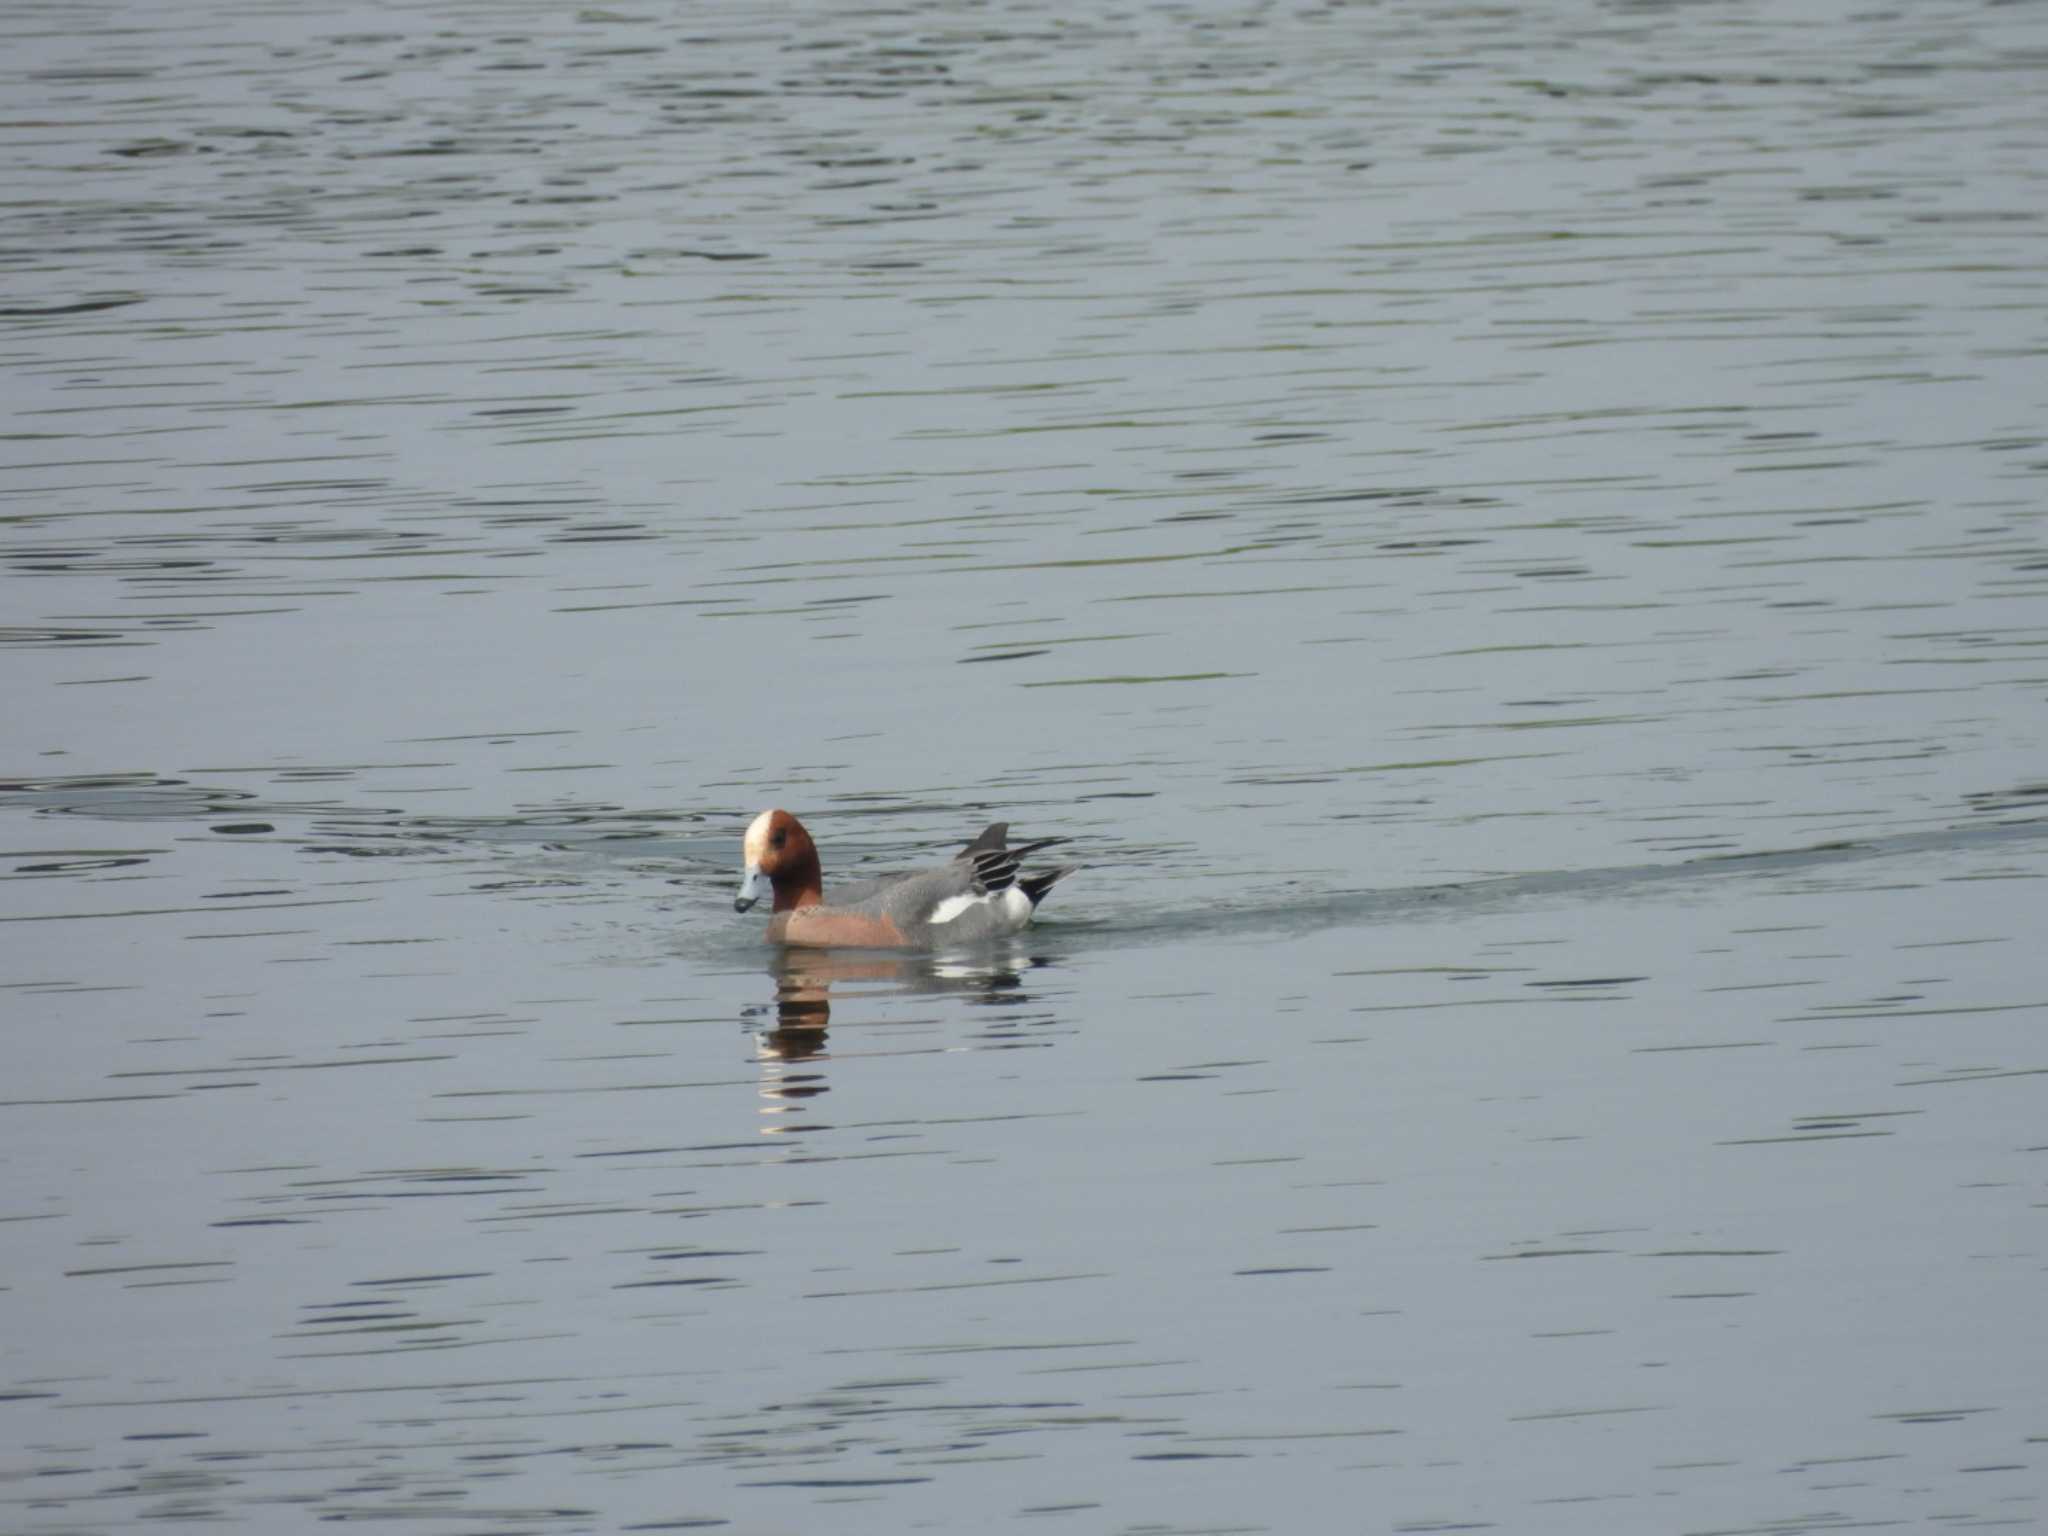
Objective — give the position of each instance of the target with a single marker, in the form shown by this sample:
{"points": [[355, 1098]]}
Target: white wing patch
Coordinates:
{"points": [[1008, 910], [955, 906]]}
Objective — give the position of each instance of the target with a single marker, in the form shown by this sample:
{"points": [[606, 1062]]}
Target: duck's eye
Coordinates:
{"points": [[776, 840]]}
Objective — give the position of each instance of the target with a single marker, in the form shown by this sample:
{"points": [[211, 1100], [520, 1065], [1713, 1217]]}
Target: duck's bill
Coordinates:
{"points": [[749, 891]]}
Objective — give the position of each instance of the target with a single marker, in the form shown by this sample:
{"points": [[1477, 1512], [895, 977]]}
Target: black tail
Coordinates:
{"points": [[1035, 886]]}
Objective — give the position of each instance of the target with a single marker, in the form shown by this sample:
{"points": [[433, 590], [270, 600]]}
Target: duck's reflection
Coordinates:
{"points": [[804, 979]]}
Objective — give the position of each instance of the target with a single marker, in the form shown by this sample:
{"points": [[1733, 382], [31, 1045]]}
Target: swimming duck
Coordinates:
{"points": [[975, 896]]}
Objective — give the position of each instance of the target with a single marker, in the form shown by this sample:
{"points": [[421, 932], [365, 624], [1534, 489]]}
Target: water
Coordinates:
{"points": [[1510, 545]]}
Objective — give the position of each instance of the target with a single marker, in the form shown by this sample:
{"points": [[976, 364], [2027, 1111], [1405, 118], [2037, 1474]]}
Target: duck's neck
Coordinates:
{"points": [[801, 885]]}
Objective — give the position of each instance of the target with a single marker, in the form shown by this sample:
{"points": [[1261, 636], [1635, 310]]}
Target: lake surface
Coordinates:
{"points": [[1511, 544]]}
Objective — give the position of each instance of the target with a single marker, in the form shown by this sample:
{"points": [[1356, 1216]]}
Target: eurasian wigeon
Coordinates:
{"points": [[975, 897]]}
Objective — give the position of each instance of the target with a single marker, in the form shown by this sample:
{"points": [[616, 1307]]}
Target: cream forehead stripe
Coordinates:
{"points": [[757, 838]]}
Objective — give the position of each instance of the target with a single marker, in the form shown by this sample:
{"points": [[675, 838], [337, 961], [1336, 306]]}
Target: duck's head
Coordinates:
{"points": [[778, 849]]}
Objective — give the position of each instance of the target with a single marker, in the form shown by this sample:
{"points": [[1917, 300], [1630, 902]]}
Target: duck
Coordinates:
{"points": [[976, 896]]}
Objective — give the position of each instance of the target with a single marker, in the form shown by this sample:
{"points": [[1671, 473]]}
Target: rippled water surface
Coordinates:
{"points": [[1511, 543]]}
